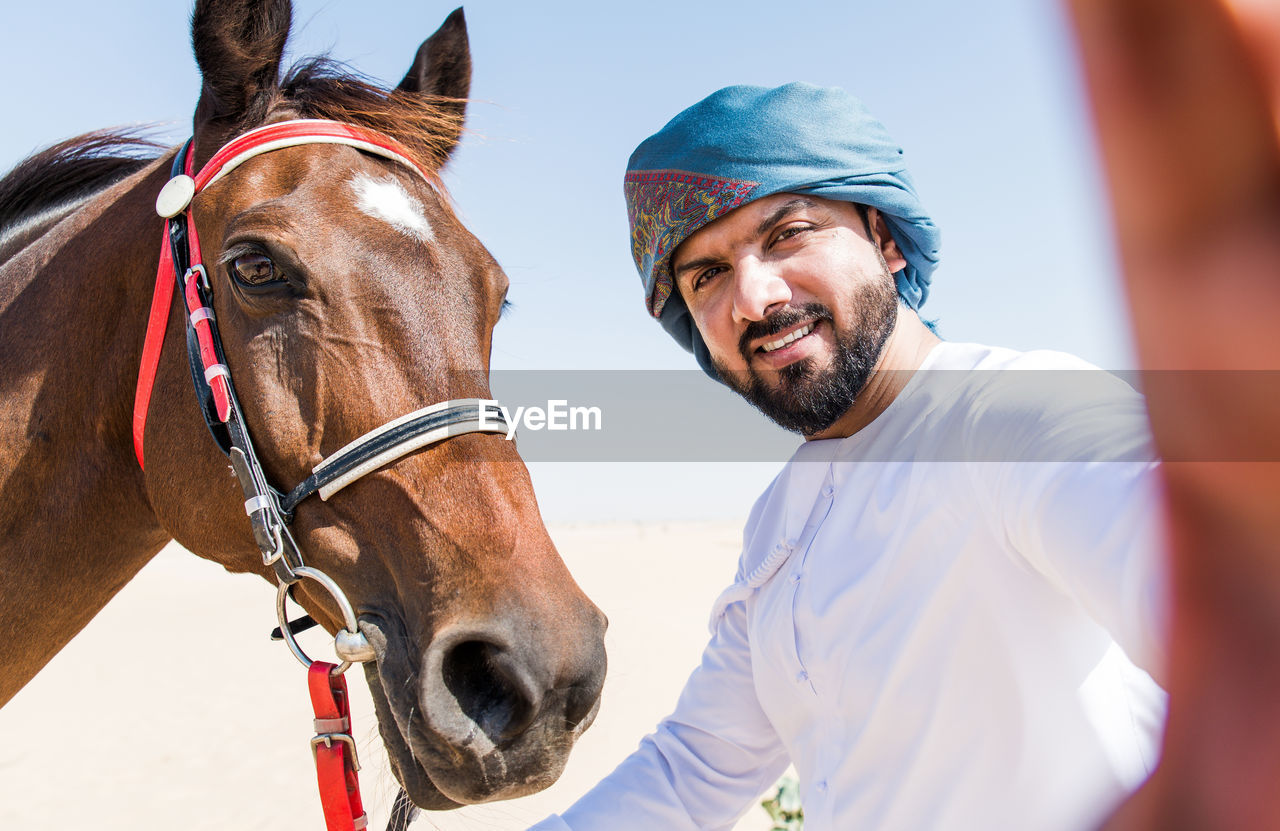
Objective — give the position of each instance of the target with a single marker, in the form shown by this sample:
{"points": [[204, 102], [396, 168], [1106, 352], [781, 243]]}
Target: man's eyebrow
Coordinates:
{"points": [[780, 213], [690, 265], [783, 211]]}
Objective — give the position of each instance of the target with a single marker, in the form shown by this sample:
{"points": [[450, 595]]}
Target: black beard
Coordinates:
{"points": [[802, 397]]}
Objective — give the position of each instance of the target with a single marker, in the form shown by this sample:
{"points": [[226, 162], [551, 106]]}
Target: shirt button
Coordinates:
{"points": [[802, 677], [795, 578], [828, 490], [821, 786]]}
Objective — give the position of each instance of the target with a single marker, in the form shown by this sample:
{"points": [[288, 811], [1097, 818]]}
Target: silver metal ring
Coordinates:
{"points": [[350, 643]]}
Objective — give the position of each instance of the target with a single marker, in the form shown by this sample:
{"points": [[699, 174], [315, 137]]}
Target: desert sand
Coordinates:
{"points": [[173, 709]]}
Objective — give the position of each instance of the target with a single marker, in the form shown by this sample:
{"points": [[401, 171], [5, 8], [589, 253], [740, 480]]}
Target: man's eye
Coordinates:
{"points": [[253, 269], [790, 231], [703, 277]]}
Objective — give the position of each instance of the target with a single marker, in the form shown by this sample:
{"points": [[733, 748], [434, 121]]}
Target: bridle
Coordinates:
{"points": [[270, 510]]}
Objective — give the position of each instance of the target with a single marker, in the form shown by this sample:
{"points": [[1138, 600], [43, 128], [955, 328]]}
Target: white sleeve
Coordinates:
{"points": [[1079, 499], [705, 763], [1095, 530]]}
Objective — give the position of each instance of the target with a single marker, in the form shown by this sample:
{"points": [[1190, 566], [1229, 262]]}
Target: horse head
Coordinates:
{"points": [[347, 294]]}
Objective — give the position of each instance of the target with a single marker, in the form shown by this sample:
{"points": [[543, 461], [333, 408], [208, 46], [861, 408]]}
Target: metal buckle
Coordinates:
{"points": [[327, 739], [197, 269], [269, 529], [271, 557]]}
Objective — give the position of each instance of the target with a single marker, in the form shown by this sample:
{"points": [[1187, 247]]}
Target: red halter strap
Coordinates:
{"points": [[335, 750], [228, 158]]}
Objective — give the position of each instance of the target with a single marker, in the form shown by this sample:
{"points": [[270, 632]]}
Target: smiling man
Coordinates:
{"points": [[795, 299], [948, 608]]}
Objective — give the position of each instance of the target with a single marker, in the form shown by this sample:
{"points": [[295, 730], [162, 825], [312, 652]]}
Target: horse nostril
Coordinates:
{"points": [[581, 707], [490, 688]]}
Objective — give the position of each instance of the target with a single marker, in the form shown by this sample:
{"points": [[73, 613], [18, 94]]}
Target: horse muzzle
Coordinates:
{"points": [[490, 710]]}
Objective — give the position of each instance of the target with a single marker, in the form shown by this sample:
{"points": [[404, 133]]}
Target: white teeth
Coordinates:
{"points": [[796, 335]]}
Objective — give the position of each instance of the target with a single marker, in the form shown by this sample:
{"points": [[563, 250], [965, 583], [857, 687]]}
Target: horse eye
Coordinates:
{"points": [[254, 269]]}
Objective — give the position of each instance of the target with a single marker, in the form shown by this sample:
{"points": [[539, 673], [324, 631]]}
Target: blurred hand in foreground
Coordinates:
{"points": [[1185, 96]]}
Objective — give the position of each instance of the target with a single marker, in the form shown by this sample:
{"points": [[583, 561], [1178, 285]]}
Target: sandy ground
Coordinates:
{"points": [[172, 709]]}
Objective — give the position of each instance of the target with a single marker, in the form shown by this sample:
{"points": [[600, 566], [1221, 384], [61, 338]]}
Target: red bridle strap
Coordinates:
{"points": [[157, 323], [301, 131], [335, 750], [228, 158]]}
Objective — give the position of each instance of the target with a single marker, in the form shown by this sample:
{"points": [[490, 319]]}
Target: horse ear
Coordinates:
{"points": [[238, 45], [442, 68]]}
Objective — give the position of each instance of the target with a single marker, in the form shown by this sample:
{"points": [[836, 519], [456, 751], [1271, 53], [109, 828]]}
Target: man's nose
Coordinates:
{"points": [[757, 289]]}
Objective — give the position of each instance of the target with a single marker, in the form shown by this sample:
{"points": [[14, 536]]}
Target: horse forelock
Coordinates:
{"points": [[426, 125]]}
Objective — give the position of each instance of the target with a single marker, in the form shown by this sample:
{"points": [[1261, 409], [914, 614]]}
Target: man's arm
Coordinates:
{"points": [[705, 763], [1076, 492], [1095, 530]]}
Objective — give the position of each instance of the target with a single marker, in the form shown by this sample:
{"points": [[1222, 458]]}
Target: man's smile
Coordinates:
{"points": [[775, 345], [786, 345]]}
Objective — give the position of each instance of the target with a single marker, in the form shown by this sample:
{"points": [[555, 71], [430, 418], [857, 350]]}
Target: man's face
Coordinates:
{"points": [[794, 300]]}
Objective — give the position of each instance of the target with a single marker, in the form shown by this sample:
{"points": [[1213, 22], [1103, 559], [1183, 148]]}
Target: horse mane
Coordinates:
{"points": [[72, 170], [427, 125]]}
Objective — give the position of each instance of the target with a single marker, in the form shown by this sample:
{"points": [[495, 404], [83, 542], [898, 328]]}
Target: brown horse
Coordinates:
{"points": [[347, 294]]}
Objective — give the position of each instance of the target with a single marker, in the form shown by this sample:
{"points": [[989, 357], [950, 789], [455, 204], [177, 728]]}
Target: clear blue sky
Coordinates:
{"points": [[984, 97]]}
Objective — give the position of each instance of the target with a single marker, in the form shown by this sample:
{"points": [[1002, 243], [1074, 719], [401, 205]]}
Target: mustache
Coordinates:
{"points": [[783, 319]]}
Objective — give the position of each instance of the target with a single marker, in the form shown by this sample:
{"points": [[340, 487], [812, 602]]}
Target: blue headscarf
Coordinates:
{"points": [[743, 143]]}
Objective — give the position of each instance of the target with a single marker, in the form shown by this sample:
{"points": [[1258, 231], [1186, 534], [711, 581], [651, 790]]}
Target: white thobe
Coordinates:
{"points": [[939, 620]]}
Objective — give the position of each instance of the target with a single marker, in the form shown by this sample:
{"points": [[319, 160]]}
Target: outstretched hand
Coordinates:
{"points": [[1185, 95]]}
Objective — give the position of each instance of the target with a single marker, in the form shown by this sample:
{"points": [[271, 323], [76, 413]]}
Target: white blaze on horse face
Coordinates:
{"points": [[386, 199]]}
